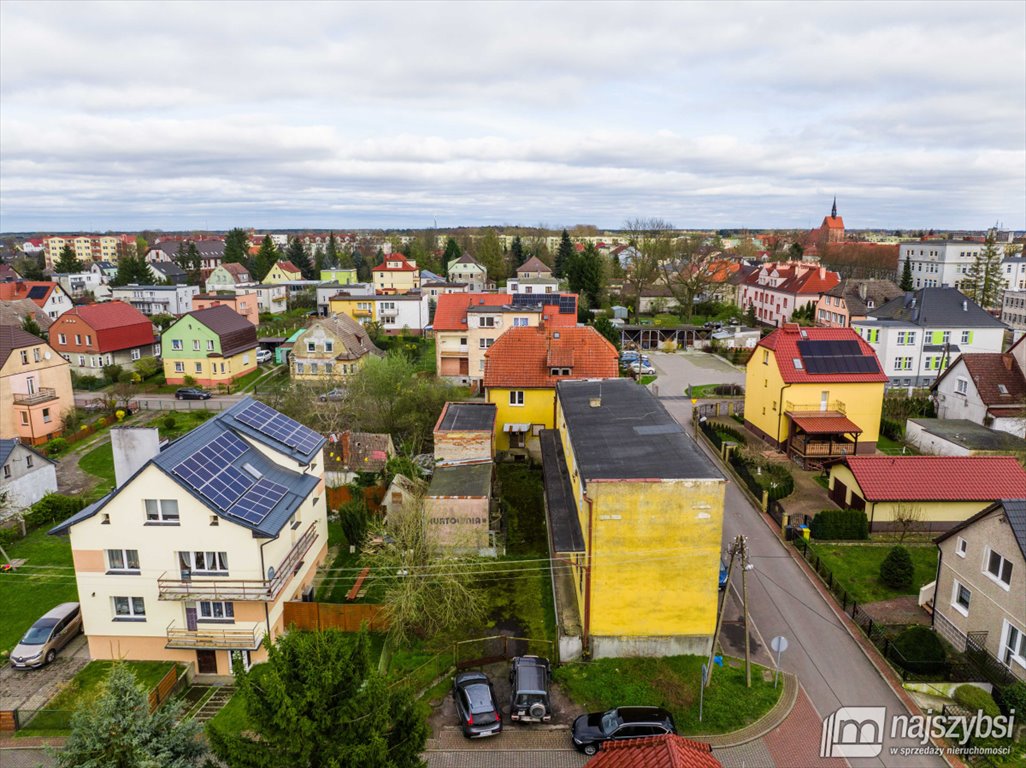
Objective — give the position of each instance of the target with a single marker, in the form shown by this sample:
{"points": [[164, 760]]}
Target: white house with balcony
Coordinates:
{"points": [[194, 554], [157, 299]]}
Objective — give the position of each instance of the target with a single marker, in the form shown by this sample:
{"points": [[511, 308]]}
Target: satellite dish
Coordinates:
{"points": [[47, 355]]}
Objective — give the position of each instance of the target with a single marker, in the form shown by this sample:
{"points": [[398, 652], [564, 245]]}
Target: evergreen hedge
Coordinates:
{"points": [[919, 650], [841, 524], [896, 570]]}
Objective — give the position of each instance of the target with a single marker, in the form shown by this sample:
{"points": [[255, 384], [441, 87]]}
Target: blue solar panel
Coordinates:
{"points": [[259, 501], [275, 425], [227, 486], [209, 470]]}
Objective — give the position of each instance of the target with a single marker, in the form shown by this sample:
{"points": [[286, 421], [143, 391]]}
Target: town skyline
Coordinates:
{"points": [[352, 116]]}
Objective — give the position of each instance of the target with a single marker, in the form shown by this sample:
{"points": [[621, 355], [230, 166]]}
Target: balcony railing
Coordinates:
{"points": [[266, 590], [460, 351], [833, 405], [35, 398], [245, 638]]}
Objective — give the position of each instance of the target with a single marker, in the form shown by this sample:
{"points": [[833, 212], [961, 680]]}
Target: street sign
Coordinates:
{"points": [[779, 645]]}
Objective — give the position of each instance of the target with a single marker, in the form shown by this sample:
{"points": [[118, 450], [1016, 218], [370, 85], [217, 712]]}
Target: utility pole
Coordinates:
{"points": [[733, 550], [742, 542]]}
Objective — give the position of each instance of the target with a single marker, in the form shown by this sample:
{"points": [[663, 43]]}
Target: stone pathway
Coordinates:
{"points": [[214, 704]]}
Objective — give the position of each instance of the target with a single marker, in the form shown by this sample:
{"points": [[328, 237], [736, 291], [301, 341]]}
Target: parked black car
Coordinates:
{"points": [[476, 706], [529, 689], [191, 393], [591, 730]]}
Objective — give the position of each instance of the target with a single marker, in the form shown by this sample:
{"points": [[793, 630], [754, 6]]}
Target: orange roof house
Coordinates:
{"points": [[666, 751]]}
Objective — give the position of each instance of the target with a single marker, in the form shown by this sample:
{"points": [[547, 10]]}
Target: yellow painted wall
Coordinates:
{"points": [[764, 409], [278, 275], [236, 366], [351, 308], [537, 409]]}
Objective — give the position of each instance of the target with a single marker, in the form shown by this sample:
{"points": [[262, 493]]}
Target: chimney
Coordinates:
{"points": [[965, 305], [132, 448], [863, 291], [595, 402], [822, 273]]}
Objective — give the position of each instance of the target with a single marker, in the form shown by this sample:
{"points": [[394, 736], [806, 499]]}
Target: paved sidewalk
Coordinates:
{"points": [[513, 748], [22, 757]]}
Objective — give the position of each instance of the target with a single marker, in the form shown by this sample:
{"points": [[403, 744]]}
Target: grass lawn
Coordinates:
{"points": [[181, 422], [822, 482], [706, 390], [99, 462], [29, 593], [894, 448], [673, 682], [647, 379], [856, 567], [83, 690]]}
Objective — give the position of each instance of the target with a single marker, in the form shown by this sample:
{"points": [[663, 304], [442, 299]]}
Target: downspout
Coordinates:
{"points": [[780, 413], [587, 584], [936, 584], [263, 574]]}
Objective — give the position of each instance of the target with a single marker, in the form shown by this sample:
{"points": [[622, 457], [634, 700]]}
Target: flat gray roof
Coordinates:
{"points": [[971, 435], [462, 480], [468, 417]]}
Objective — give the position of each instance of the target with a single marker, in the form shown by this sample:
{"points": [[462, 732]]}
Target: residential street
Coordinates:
{"points": [[150, 402], [829, 663]]}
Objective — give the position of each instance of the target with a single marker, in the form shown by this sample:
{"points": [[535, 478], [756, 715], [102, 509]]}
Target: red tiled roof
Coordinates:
{"points": [[988, 369], [288, 266], [117, 325], [451, 310], [784, 344], [825, 423], [833, 222], [938, 478], [667, 751], [522, 357], [405, 266], [20, 290], [235, 270], [797, 279]]}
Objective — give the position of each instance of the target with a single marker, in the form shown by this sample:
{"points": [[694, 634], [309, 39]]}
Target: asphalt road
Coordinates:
{"points": [[151, 402], [829, 663]]}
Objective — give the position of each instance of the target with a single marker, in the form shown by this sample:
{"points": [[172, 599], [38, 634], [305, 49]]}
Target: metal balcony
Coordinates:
{"points": [[217, 588], [43, 395], [245, 637]]}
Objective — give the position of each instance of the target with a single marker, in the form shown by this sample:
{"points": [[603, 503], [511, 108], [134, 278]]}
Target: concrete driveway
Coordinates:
{"points": [[677, 370], [32, 688]]}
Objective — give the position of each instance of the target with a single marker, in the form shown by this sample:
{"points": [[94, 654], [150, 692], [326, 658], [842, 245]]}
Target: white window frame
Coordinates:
{"points": [[176, 345], [956, 586], [311, 346], [1018, 655], [134, 608], [961, 547], [210, 345], [227, 611], [163, 511], [125, 556], [199, 367], [195, 345], [136, 354], [189, 560], [62, 338], [179, 366], [1002, 562], [516, 397]]}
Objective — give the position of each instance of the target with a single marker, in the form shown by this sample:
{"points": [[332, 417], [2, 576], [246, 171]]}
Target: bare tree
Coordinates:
{"points": [[907, 516], [689, 273], [651, 245]]}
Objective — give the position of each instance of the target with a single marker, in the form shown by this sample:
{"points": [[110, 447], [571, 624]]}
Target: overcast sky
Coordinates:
{"points": [[137, 115]]}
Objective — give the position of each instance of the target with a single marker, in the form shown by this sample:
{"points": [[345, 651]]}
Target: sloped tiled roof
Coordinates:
{"points": [[877, 291], [784, 344], [354, 337], [236, 270], [12, 338], [451, 310], [990, 371], [534, 264], [524, 357], [235, 332], [404, 266], [667, 751], [938, 478], [14, 311], [799, 279], [118, 325], [36, 290], [937, 308], [288, 266], [467, 259]]}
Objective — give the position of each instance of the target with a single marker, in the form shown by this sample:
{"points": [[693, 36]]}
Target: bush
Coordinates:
{"points": [[840, 524], [52, 508], [169, 421], [976, 699], [353, 517], [147, 367], [55, 446], [918, 649], [90, 383], [896, 570], [729, 390], [112, 372], [892, 429], [190, 381], [1012, 697], [760, 475]]}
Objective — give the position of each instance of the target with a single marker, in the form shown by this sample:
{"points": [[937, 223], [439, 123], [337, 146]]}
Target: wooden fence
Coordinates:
{"points": [[165, 687], [373, 495], [345, 617]]}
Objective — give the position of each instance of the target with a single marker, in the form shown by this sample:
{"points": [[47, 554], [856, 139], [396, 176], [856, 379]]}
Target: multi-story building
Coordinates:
{"points": [[214, 346], [396, 274], [522, 369], [168, 272], [157, 299], [942, 263], [243, 303], [227, 276], [776, 290], [94, 335], [78, 284], [467, 324], [48, 296], [211, 253], [88, 248], [346, 276], [469, 270], [282, 272], [1013, 311], [815, 393], [853, 300], [35, 387], [987, 388], [192, 557], [330, 349], [25, 476], [977, 597], [636, 512], [918, 334], [394, 313]]}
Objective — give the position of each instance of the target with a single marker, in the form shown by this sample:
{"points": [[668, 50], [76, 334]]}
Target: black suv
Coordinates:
{"points": [[476, 705], [529, 684], [590, 731], [191, 393]]}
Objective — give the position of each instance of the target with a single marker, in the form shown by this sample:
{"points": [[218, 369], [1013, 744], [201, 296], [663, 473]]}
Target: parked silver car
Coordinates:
{"points": [[49, 634]]}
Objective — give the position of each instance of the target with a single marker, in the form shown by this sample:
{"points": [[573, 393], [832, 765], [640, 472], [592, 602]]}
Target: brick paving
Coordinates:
{"points": [[790, 745], [513, 748], [32, 688]]}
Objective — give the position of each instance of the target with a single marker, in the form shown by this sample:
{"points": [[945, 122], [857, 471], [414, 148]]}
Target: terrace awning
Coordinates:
{"points": [[825, 423]]}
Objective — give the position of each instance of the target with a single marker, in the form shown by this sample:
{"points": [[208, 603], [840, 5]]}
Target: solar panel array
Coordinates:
{"points": [[839, 356], [268, 421], [255, 505], [37, 291], [567, 304]]}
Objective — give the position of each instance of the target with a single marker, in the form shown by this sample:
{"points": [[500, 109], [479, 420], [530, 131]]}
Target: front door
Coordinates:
{"points": [[206, 662], [190, 617]]}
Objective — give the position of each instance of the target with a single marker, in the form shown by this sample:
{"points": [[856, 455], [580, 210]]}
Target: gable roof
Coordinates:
{"points": [[534, 264], [1015, 512], [990, 371], [354, 337], [877, 291], [7, 272], [236, 270], [796, 278], [7, 448], [789, 344], [666, 751], [937, 308], [298, 486], [937, 478], [37, 290], [288, 266], [117, 325], [235, 332], [467, 259], [404, 266], [525, 357], [14, 311], [13, 337]]}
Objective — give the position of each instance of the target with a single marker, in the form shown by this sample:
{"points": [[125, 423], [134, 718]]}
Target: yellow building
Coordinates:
{"points": [[282, 272], [636, 509], [815, 393], [35, 387], [522, 368], [928, 493], [362, 309], [330, 349], [396, 274], [196, 553], [215, 346]]}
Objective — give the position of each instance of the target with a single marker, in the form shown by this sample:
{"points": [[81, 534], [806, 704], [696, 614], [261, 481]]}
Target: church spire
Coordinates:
{"points": [[833, 211]]}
